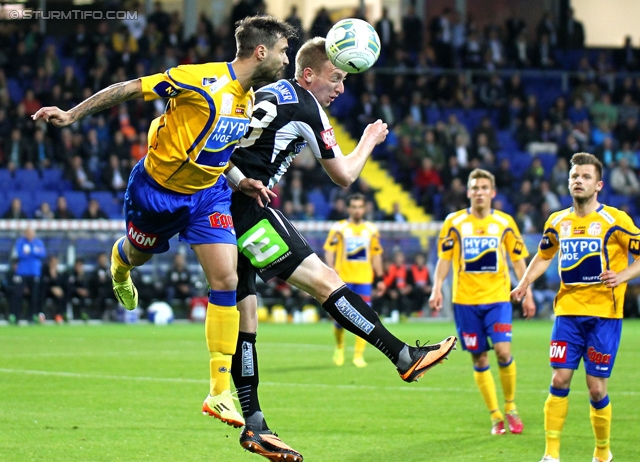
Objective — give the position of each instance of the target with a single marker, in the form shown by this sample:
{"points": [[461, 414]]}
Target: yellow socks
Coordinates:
{"points": [[555, 412], [487, 386], [508, 380], [359, 347], [338, 333], [600, 414], [120, 266], [221, 326]]}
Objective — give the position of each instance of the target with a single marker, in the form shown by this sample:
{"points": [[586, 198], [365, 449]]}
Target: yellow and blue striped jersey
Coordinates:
{"points": [[207, 113], [588, 246], [354, 245], [478, 249]]}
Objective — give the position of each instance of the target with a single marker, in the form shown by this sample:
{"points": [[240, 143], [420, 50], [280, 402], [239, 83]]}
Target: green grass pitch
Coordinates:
{"points": [[133, 393]]}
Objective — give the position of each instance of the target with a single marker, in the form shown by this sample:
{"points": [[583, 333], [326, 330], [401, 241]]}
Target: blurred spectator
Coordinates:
{"points": [[114, 176], [296, 194], [44, 155], [78, 175], [535, 173], [571, 32], [78, 290], [420, 281], [625, 152], [549, 196], [513, 87], [413, 31], [454, 198], [44, 212], [100, 289], [385, 29], [395, 214], [15, 210], [624, 180], [54, 288], [543, 54], [178, 282], [577, 112], [505, 179], [528, 133], [431, 149], [140, 148], [626, 58], [18, 152], [547, 26], [338, 211], [629, 132], [321, 24], [30, 252], [426, 184], [559, 176], [62, 211], [604, 111], [94, 211], [397, 294]]}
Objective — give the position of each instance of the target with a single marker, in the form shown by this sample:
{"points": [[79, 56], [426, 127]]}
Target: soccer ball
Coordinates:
{"points": [[353, 45]]}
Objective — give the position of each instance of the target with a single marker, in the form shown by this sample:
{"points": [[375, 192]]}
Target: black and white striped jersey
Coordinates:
{"points": [[286, 118]]}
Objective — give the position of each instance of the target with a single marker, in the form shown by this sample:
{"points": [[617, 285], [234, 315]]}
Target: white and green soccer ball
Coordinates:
{"points": [[353, 45]]}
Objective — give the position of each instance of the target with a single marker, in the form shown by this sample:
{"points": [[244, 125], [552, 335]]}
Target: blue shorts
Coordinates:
{"points": [[364, 290], [476, 324], [593, 339], [155, 214]]}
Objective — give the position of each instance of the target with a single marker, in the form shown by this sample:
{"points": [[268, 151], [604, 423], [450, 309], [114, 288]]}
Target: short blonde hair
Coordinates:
{"points": [[482, 173], [312, 54]]}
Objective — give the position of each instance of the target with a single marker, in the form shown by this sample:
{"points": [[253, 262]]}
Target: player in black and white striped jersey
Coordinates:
{"points": [[287, 116]]}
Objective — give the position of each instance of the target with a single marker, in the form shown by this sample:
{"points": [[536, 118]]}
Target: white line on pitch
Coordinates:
{"points": [[278, 384]]}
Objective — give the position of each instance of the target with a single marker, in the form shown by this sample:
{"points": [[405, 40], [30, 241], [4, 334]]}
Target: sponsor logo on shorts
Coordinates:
{"points": [[501, 327], [220, 220], [329, 138], [470, 341], [558, 352], [596, 357], [141, 239]]}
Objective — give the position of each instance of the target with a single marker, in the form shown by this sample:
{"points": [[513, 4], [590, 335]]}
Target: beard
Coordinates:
{"points": [[264, 74]]}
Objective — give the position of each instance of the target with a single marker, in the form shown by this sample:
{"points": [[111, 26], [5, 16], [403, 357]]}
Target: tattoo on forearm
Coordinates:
{"points": [[106, 98]]}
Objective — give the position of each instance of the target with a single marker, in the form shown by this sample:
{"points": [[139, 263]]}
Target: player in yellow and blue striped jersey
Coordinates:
{"points": [[476, 242], [353, 250], [593, 242], [178, 187]]}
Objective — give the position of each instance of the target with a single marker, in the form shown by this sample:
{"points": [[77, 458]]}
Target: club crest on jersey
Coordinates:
{"points": [[580, 260], [565, 228], [480, 254], [466, 229], [283, 91], [493, 229], [594, 229], [227, 104], [329, 138]]}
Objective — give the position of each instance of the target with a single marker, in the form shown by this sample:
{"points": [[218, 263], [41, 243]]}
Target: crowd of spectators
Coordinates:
{"points": [[456, 96]]}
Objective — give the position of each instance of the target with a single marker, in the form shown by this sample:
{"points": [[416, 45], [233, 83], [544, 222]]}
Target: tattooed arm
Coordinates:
{"points": [[106, 98]]}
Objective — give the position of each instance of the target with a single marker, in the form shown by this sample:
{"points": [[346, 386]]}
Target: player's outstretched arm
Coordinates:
{"points": [[536, 268], [442, 270], [106, 98], [612, 279], [345, 170]]}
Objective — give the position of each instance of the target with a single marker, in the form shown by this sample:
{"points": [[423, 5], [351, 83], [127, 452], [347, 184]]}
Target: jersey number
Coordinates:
{"points": [[262, 244], [269, 111]]}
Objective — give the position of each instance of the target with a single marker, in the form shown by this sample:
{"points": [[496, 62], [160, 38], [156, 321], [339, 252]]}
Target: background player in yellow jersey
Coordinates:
{"points": [[353, 250], [594, 242], [178, 187], [477, 241]]}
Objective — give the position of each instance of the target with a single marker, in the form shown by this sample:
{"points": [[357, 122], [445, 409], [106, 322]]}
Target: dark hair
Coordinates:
{"points": [[260, 30], [355, 197], [312, 54], [584, 158]]}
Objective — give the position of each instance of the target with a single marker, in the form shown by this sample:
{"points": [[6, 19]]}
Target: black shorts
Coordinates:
{"points": [[268, 244]]}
